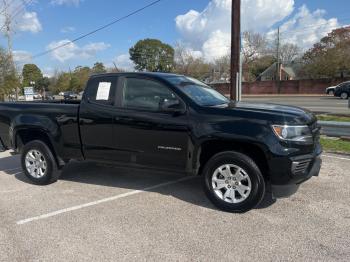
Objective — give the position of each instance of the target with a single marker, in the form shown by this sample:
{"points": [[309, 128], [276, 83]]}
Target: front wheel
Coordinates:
{"points": [[344, 95], [233, 182]]}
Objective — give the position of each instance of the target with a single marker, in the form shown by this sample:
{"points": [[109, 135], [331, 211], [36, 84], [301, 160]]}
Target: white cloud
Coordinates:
{"points": [[22, 56], [217, 45], [306, 28], [73, 51], [68, 29], [123, 61], [30, 23], [66, 2], [209, 30], [259, 15]]}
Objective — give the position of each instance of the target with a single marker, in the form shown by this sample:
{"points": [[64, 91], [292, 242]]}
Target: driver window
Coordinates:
{"points": [[145, 94]]}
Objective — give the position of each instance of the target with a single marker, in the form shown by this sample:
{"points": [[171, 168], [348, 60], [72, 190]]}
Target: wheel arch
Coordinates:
{"points": [[252, 149], [23, 136]]}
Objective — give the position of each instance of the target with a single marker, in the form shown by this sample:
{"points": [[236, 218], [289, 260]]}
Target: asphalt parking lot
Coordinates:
{"points": [[100, 213], [318, 104]]}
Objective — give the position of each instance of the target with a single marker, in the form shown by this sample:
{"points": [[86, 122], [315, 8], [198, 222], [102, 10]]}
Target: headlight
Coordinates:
{"points": [[293, 133]]}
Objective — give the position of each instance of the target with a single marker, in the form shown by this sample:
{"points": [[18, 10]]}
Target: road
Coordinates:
{"points": [[96, 213], [324, 104]]}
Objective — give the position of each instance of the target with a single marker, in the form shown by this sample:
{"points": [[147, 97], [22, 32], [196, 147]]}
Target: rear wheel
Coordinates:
{"points": [[233, 182], [38, 163], [344, 95]]}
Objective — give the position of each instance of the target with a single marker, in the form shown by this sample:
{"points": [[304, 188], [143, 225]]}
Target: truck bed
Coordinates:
{"points": [[58, 118]]}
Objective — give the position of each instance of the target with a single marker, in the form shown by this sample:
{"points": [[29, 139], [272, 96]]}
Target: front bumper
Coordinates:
{"points": [[281, 191], [296, 170]]}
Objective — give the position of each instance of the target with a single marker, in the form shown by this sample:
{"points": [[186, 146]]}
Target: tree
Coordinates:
{"points": [[9, 79], [289, 53], [43, 83], [152, 55], [10, 83], [329, 57], [255, 46], [186, 63], [99, 68], [31, 73], [63, 82], [222, 68], [81, 76], [70, 81]]}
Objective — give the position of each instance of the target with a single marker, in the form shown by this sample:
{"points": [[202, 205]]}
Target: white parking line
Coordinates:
{"points": [[94, 203], [336, 157]]}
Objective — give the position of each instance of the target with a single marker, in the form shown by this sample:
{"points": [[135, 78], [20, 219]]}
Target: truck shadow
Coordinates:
{"points": [[10, 165], [189, 191]]}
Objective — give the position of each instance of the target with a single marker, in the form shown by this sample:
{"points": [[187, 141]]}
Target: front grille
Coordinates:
{"points": [[300, 167]]}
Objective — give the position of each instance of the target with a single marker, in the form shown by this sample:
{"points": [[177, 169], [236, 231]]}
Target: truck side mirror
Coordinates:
{"points": [[172, 106]]}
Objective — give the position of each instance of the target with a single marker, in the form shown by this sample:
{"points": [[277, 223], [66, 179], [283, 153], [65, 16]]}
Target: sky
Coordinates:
{"points": [[203, 26]]}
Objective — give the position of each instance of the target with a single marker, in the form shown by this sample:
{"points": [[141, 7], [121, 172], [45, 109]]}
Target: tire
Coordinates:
{"points": [[331, 93], [344, 95], [38, 153], [237, 185]]}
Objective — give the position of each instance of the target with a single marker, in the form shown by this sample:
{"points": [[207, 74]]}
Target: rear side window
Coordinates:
{"points": [[102, 90], [145, 94]]}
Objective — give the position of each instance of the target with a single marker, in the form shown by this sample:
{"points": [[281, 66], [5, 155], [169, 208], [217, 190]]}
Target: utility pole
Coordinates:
{"points": [[8, 34], [7, 28], [235, 49], [278, 55]]}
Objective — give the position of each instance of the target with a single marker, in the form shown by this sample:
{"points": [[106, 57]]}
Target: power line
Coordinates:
{"points": [[20, 8], [6, 7], [97, 30]]}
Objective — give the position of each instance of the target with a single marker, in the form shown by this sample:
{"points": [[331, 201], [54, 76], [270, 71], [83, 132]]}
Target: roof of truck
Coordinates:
{"points": [[156, 74]]}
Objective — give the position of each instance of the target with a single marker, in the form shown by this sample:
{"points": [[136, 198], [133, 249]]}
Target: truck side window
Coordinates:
{"points": [[145, 94], [102, 90]]}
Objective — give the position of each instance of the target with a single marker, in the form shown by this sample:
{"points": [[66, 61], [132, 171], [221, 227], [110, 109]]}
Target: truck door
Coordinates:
{"points": [[145, 134], [96, 119]]}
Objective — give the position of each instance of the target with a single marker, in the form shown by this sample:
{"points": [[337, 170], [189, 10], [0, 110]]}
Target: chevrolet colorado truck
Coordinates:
{"points": [[172, 123]]}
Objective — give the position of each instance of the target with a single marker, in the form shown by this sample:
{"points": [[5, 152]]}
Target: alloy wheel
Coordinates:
{"points": [[231, 183], [35, 163]]}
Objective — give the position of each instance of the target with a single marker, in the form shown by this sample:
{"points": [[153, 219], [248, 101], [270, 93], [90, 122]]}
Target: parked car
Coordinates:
{"points": [[343, 90], [70, 95], [169, 122], [49, 97], [330, 90], [37, 96]]}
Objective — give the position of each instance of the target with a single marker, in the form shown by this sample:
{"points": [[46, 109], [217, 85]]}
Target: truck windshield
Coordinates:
{"points": [[199, 92]]}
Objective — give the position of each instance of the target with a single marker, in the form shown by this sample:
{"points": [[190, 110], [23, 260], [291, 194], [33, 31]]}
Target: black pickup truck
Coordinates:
{"points": [[173, 123]]}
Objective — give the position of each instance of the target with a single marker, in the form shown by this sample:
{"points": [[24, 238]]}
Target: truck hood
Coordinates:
{"points": [[283, 112]]}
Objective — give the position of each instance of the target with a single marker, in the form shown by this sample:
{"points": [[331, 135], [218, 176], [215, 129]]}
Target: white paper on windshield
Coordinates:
{"points": [[103, 91]]}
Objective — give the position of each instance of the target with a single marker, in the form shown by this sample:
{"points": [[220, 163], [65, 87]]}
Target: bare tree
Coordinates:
{"points": [[187, 63], [254, 46], [221, 68], [289, 52], [286, 51]]}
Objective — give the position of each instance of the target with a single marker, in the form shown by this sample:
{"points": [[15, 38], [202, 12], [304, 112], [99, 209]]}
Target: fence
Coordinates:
{"points": [[308, 86]]}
